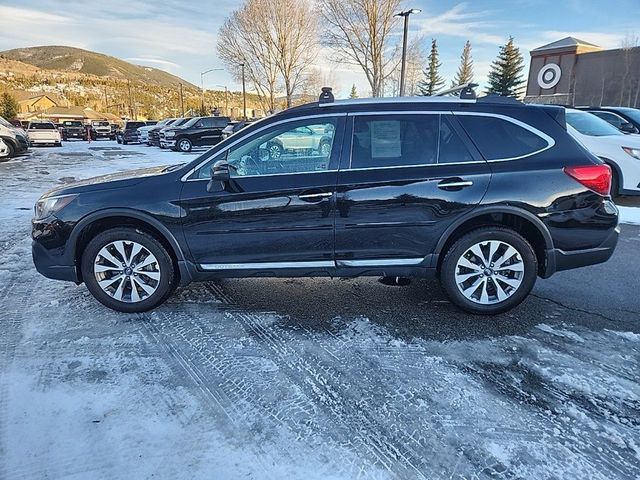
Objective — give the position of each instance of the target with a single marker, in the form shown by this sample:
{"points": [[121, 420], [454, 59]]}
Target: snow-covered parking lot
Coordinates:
{"points": [[308, 378]]}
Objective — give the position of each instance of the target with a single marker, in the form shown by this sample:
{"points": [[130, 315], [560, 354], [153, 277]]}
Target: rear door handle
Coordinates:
{"points": [[315, 197], [454, 184]]}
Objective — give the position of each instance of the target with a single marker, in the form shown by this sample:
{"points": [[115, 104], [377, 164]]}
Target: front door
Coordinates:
{"points": [[408, 178], [277, 210]]}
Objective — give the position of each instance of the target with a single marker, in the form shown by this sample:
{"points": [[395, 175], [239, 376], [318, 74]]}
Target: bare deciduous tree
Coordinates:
{"points": [[239, 45], [360, 33], [275, 40], [292, 30]]}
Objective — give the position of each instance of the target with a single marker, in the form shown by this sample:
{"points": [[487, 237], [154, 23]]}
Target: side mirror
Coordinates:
{"points": [[628, 127], [220, 172]]}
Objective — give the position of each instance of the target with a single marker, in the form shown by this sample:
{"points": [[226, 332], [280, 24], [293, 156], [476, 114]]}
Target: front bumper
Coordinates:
{"points": [[47, 263], [167, 143]]}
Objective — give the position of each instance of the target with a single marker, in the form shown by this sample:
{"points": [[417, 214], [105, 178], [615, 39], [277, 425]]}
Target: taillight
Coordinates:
{"points": [[594, 177]]}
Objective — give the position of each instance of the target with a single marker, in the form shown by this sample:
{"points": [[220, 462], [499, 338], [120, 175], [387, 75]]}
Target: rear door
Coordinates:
{"points": [[407, 177]]}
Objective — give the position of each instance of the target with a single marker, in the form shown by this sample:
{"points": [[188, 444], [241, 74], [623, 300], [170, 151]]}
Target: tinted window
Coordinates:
{"points": [[632, 113], [394, 140], [295, 147], [42, 126], [452, 147], [591, 125], [497, 138], [72, 124], [134, 125], [611, 118]]}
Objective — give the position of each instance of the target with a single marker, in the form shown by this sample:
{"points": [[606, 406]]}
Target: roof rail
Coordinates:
{"points": [[493, 98], [466, 90]]}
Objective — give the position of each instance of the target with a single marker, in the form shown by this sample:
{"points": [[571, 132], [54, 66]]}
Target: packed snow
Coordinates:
{"points": [[304, 378]]}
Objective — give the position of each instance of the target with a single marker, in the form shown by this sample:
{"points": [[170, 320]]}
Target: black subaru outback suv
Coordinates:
{"points": [[486, 194]]}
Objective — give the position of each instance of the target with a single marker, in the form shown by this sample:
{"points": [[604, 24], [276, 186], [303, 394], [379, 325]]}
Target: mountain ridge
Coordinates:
{"points": [[62, 58]]}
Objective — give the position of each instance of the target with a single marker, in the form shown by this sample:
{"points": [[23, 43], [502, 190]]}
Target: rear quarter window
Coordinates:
{"points": [[502, 139]]}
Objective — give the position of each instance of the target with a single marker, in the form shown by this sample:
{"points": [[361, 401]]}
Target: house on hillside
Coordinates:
{"points": [[37, 103]]}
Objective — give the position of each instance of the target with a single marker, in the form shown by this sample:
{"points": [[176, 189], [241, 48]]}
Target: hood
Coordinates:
{"points": [[107, 182]]}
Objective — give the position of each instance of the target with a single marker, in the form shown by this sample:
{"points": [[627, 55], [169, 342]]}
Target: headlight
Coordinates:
{"points": [[50, 205], [169, 134], [634, 152]]}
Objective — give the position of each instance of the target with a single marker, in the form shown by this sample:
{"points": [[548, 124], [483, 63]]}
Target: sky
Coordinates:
{"points": [[180, 36]]}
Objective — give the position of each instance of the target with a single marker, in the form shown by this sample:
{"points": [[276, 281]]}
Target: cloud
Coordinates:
{"points": [[459, 21], [158, 61]]}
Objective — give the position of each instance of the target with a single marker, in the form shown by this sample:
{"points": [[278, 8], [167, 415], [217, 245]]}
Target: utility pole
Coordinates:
{"points": [[403, 68], [244, 96], [181, 101], [106, 101], [130, 100]]}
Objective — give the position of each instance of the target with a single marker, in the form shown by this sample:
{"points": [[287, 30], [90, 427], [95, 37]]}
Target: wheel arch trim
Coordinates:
{"points": [[130, 213], [478, 212]]}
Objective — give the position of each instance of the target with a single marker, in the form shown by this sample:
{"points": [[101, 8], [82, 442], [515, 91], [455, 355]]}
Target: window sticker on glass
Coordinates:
{"points": [[385, 139]]}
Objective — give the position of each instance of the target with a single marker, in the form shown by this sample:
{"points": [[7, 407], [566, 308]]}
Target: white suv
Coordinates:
{"points": [[14, 138], [44, 133], [621, 152]]}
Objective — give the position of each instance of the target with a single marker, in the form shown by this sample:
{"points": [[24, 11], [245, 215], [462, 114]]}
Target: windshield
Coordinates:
{"points": [[191, 122], [632, 113], [72, 124], [180, 121], [101, 124], [590, 125]]}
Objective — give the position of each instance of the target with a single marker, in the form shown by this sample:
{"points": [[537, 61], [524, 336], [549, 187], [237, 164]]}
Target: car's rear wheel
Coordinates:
{"points": [[325, 149], [128, 270], [11, 151], [184, 145], [489, 270]]}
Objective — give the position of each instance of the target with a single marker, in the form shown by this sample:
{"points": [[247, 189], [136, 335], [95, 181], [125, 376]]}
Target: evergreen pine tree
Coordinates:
{"points": [[465, 70], [433, 81], [505, 77], [8, 106], [354, 92]]}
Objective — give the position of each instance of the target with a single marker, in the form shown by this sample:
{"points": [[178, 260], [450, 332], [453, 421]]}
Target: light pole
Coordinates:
{"points": [[405, 14], [226, 99], [202, 81], [244, 96]]}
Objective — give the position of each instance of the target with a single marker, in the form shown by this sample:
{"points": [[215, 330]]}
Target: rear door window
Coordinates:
{"points": [[394, 140], [501, 139], [452, 148]]}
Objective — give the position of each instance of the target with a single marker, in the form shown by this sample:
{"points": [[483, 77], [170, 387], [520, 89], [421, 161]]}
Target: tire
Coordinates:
{"points": [[275, 151], [153, 283], [12, 150], [57, 144], [615, 183], [118, 140], [184, 145], [513, 282], [324, 149], [124, 142]]}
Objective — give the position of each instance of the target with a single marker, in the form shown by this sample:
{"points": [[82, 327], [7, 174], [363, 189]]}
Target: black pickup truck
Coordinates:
{"points": [[73, 129], [198, 131]]}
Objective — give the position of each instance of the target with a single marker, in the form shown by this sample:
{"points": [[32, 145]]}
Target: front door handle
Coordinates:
{"points": [[454, 184], [315, 197]]}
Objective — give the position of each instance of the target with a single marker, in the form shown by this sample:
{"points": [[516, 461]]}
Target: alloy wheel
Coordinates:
{"points": [[127, 271], [184, 145], [489, 272]]}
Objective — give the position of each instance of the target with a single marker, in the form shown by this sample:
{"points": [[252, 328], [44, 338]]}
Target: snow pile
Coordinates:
{"points": [[629, 215]]}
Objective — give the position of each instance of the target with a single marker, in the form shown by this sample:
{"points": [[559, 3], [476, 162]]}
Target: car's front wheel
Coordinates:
{"points": [[489, 270], [184, 145], [128, 270]]}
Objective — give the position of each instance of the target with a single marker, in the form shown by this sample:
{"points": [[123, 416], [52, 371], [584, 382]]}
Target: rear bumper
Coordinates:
{"points": [[559, 260]]}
